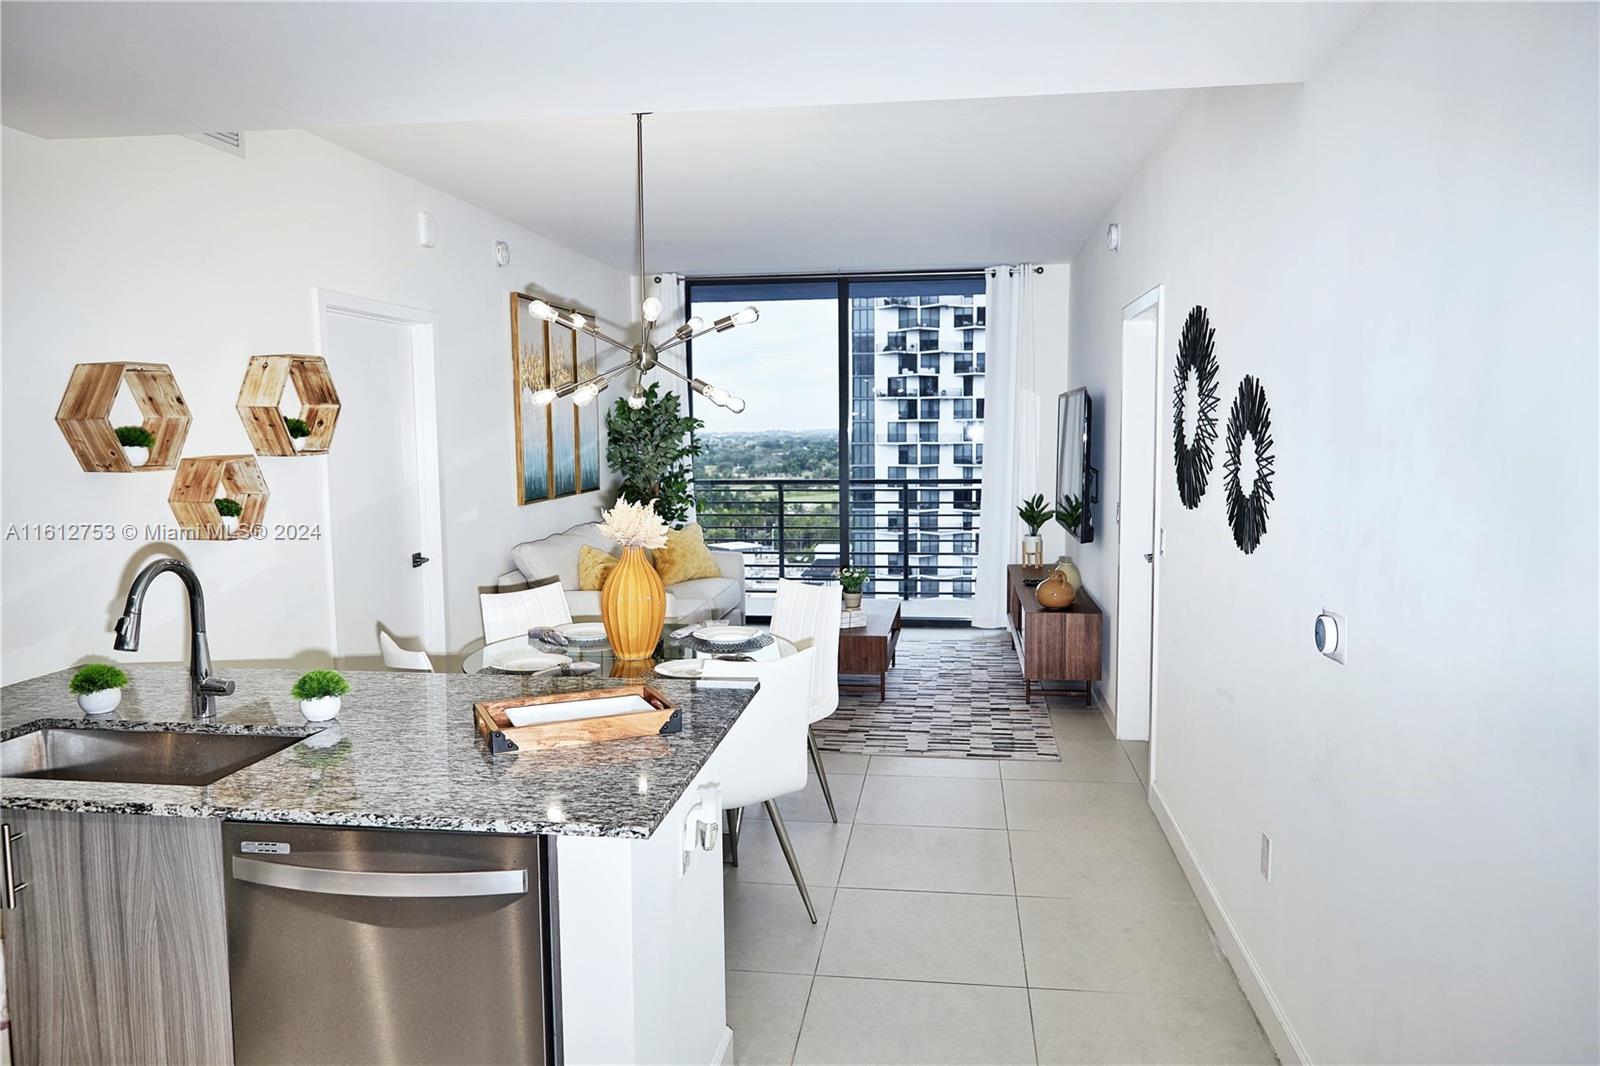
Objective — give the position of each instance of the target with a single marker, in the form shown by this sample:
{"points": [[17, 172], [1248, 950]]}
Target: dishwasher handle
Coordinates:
{"points": [[447, 885]]}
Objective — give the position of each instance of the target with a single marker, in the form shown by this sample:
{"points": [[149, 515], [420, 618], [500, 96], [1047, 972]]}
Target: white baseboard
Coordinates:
{"points": [[1108, 712], [1266, 1006], [724, 1047]]}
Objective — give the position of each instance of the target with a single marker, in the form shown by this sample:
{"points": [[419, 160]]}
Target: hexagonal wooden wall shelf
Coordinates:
{"points": [[262, 393], [202, 479], [85, 415]]}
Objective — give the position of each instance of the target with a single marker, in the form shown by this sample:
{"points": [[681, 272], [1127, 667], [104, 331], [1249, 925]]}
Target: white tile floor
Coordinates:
{"points": [[979, 912]]}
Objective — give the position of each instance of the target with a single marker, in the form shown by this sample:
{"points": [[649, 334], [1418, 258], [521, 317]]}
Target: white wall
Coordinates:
{"points": [[165, 250], [1404, 250]]}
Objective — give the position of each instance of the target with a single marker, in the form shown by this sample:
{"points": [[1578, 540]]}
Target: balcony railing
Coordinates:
{"points": [[918, 539]]}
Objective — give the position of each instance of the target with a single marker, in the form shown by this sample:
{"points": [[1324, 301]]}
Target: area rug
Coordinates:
{"points": [[957, 697]]}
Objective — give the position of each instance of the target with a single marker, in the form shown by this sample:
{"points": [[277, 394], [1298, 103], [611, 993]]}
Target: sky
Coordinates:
{"points": [[785, 367]]}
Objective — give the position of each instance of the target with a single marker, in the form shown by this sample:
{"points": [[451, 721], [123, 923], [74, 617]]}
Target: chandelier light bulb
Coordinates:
{"points": [[695, 324], [746, 316], [544, 397], [540, 309], [715, 395], [636, 398], [652, 309], [578, 321], [585, 394], [733, 403]]}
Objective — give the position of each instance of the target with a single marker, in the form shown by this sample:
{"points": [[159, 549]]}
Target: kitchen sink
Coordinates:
{"points": [[158, 757]]}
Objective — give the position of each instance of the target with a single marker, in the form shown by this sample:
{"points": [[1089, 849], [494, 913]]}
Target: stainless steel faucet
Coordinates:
{"points": [[203, 688]]}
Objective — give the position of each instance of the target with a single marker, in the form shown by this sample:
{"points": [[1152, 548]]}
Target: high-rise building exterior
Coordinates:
{"points": [[916, 428]]}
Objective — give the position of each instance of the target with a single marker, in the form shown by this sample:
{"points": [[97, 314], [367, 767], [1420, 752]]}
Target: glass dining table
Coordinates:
{"points": [[527, 654]]}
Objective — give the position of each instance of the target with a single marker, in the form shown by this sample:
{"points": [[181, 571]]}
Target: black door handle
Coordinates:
{"points": [[417, 559]]}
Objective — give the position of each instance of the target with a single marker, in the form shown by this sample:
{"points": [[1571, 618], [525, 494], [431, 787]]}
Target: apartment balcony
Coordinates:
{"points": [[792, 528]]}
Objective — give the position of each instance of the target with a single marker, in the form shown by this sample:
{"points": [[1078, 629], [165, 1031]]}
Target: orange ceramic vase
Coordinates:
{"points": [[633, 606], [1055, 592]]}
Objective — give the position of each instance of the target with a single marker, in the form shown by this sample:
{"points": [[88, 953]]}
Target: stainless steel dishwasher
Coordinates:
{"points": [[385, 946]]}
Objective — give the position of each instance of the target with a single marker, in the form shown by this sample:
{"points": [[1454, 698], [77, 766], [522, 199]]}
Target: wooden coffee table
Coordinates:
{"points": [[870, 649]]}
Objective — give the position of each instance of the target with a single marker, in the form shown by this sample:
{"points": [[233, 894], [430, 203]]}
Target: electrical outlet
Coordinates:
{"points": [[1266, 858]]}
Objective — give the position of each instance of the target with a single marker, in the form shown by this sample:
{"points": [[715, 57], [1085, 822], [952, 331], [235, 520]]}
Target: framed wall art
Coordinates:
{"points": [[558, 445]]}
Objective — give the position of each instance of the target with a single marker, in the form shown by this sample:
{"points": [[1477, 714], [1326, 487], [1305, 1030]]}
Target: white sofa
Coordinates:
{"points": [[555, 558]]}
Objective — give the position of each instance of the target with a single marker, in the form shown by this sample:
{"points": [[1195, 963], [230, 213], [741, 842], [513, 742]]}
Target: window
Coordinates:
{"points": [[871, 350]]}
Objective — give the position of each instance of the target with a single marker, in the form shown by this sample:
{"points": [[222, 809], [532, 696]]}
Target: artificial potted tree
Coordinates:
{"points": [[136, 443], [98, 687], [853, 580], [318, 692], [298, 431], [650, 447], [1034, 513], [229, 511]]}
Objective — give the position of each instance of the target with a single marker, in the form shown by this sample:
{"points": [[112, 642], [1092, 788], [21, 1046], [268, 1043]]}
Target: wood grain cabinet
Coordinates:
{"points": [[1053, 645], [117, 949]]}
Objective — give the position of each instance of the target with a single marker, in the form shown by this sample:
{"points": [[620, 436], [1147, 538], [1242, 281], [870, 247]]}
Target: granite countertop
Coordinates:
{"points": [[403, 754]]}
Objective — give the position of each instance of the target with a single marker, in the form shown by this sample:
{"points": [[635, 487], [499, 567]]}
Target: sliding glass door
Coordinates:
{"points": [[862, 442]]}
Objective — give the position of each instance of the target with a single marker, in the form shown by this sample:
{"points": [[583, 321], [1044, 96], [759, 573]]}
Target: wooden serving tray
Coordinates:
{"points": [[495, 724]]}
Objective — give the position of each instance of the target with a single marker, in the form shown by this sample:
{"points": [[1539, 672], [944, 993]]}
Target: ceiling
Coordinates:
{"points": [[871, 186], [786, 136]]}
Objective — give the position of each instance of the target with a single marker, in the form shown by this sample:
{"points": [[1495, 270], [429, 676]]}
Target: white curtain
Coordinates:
{"points": [[1012, 444]]}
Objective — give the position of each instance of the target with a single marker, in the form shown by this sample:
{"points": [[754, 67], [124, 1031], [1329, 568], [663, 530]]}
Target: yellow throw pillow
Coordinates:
{"points": [[685, 556], [593, 567]]}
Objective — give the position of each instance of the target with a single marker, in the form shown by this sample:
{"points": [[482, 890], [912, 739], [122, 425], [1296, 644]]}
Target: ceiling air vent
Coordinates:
{"points": [[230, 141]]}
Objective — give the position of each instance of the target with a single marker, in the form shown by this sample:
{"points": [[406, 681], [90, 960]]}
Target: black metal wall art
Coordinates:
{"points": [[1249, 417], [1196, 355]]}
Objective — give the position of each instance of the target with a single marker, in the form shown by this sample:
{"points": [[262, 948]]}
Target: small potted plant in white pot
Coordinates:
{"points": [[98, 687], [318, 693], [229, 511], [136, 443], [853, 579], [1034, 514], [298, 431]]}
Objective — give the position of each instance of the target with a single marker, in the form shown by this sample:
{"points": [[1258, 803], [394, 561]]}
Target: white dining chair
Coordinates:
{"points": [[764, 754], [808, 615], [512, 614], [397, 658]]}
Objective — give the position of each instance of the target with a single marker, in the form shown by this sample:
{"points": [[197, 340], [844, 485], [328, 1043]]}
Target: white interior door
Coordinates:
{"points": [[1136, 529], [382, 484]]}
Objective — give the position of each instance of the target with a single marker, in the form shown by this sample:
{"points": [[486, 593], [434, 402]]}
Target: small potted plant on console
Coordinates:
{"points": [[136, 443], [98, 687], [298, 431], [318, 693], [1034, 514], [852, 579], [230, 511]]}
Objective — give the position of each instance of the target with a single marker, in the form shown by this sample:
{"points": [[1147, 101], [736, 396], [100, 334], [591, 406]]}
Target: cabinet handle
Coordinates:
{"points": [[10, 887]]}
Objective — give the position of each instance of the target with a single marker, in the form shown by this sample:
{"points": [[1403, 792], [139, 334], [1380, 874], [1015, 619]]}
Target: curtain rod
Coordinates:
{"points": [[711, 278]]}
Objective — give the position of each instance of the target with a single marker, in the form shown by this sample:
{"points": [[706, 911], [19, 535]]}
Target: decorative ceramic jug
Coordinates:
{"points": [[1055, 592], [633, 606], [1069, 569]]}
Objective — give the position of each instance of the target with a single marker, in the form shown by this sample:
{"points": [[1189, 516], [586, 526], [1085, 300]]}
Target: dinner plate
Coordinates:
{"points": [[727, 634], [583, 632], [526, 660], [685, 668]]}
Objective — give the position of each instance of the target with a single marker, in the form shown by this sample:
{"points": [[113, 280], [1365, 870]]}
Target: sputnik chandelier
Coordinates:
{"points": [[646, 355]]}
